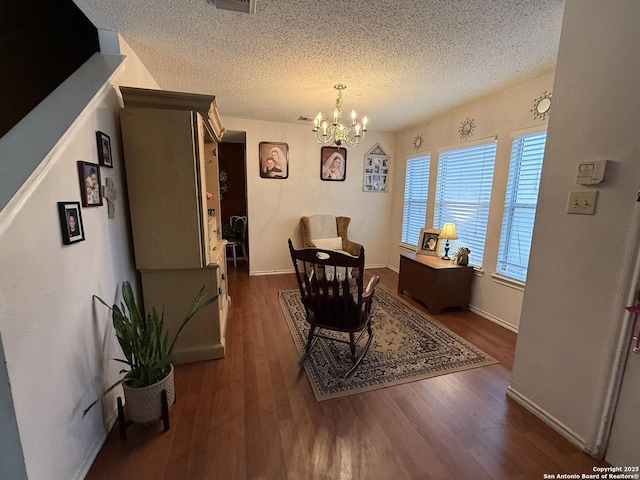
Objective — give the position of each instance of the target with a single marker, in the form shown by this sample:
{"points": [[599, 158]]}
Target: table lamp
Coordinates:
{"points": [[447, 233]]}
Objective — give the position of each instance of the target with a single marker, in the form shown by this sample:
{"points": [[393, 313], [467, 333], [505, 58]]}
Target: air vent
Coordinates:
{"points": [[243, 6]]}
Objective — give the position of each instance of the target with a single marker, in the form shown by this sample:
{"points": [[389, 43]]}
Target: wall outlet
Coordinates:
{"points": [[582, 202]]}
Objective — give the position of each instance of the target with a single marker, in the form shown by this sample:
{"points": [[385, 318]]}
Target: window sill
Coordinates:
{"points": [[406, 247], [507, 281]]}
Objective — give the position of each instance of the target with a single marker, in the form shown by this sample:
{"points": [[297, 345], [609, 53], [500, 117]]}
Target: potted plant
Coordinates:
{"points": [[148, 353]]}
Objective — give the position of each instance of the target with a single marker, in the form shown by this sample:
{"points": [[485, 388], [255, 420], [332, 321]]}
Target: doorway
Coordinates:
{"points": [[233, 189]]}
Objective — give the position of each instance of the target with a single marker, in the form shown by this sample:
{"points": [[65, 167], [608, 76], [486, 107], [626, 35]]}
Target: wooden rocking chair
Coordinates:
{"points": [[333, 299]]}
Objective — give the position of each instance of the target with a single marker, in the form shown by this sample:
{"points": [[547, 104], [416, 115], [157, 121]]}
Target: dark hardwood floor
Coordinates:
{"points": [[252, 415]]}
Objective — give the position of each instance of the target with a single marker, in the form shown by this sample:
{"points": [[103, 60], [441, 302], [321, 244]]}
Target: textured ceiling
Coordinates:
{"points": [[403, 61]]}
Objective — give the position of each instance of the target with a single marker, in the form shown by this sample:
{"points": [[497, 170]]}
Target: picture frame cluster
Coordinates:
{"points": [[273, 163], [91, 195]]}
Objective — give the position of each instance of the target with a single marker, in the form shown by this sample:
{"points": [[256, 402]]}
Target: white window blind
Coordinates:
{"points": [[463, 193], [416, 184], [527, 153]]}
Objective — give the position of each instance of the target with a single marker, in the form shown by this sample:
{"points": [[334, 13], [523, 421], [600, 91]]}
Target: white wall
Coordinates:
{"points": [[579, 278], [275, 206], [497, 115], [57, 340]]}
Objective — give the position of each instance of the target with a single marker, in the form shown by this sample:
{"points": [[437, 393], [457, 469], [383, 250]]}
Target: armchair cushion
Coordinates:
{"points": [[328, 226], [328, 243]]}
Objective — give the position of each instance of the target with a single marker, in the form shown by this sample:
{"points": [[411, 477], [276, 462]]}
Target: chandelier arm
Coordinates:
{"points": [[321, 139]]}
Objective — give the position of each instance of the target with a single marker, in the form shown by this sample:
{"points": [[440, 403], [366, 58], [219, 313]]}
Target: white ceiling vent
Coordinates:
{"points": [[243, 6]]}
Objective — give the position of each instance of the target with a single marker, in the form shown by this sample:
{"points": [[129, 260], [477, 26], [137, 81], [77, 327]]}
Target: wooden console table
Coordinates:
{"points": [[438, 283]]}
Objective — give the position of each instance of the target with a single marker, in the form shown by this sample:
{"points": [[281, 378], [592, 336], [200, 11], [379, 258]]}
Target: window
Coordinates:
{"points": [[416, 184], [463, 193], [527, 153]]}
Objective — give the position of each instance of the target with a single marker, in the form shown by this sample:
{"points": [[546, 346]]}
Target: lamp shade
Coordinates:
{"points": [[448, 232]]}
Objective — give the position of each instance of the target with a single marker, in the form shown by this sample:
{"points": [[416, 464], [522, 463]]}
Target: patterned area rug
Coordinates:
{"points": [[407, 345]]}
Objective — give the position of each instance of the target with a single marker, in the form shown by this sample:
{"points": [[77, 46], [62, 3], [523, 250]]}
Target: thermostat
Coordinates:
{"points": [[591, 173]]}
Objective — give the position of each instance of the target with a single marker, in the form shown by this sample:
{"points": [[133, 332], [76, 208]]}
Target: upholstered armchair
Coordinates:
{"points": [[328, 232]]}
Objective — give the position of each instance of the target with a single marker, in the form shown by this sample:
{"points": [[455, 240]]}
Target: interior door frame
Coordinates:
{"points": [[597, 447]]}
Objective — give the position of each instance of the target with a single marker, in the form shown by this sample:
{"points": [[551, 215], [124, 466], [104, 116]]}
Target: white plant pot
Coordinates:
{"points": [[144, 405]]}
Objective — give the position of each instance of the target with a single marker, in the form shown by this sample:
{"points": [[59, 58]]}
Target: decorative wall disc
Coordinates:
{"points": [[541, 106], [417, 142], [466, 128]]}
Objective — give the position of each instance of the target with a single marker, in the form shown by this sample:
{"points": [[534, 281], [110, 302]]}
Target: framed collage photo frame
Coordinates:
{"points": [[377, 166], [105, 157], [70, 222], [274, 160], [333, 164], [90, 191], [429, 242]]}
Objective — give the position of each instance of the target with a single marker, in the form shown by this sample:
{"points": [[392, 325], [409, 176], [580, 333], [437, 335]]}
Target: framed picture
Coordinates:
{"points": [[274, 160], [104, 149], [376, 170], [70, 222], [429, 242], [90, 191], [333, 164]]}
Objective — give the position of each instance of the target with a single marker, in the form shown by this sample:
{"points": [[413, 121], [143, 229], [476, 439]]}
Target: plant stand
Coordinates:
{"points": [[123, 423]]}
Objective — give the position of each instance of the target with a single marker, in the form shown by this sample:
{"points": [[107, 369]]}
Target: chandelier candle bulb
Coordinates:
{"points": [[364, 123], [353, 117]]}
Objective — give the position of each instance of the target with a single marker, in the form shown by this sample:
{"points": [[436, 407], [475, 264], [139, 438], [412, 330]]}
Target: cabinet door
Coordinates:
{"points": [[161, 151]]}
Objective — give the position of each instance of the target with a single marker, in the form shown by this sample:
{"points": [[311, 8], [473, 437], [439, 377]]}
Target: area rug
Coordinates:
{"points": [[407, 345]]}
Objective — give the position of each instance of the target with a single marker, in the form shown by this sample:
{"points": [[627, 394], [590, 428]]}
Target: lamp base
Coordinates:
{"points": [[446, 252]]}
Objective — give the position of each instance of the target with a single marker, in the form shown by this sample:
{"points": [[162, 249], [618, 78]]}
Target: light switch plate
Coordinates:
{"points": [[582, 202]]}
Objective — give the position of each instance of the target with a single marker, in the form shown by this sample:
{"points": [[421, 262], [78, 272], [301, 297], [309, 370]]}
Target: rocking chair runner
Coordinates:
{"points": [[333, 300]]}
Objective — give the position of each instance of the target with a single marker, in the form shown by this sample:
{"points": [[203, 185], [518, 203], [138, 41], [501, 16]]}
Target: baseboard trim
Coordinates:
{"points": [[493, 319], [258, 273], [550, 420], [196, 354], [96, 447]]}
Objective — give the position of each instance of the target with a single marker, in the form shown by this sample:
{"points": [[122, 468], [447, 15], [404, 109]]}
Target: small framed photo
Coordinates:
{"points": [[104, 149], [274, 160], [429, 242], [70, 222], [90, 191], [333, 164]]}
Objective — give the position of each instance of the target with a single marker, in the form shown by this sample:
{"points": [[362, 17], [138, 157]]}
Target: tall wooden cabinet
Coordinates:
{"points": [[170, 144]]}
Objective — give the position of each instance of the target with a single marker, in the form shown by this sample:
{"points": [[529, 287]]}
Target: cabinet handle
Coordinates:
{"points": [[219, 290], [223, 277]]}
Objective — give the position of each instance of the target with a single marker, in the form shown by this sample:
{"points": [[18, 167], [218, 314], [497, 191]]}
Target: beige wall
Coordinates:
{"points": [[581, 278], [57, 341], [275, 206], [497, 115]]}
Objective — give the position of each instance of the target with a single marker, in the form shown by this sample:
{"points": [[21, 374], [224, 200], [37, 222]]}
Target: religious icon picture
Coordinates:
{"points": [[333, 164], [104, 149], [70, 222], [274, 160]]}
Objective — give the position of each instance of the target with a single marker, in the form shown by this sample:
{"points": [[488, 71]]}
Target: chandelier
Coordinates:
{"points": [[336, 132]]}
